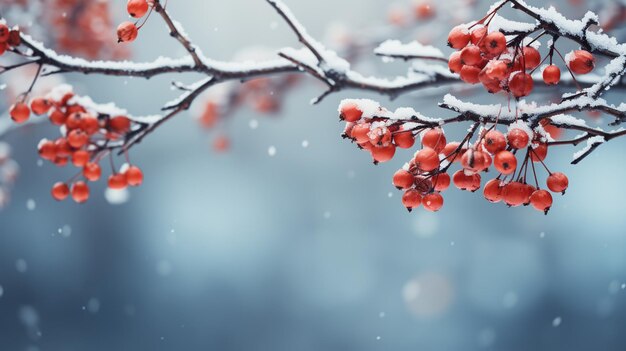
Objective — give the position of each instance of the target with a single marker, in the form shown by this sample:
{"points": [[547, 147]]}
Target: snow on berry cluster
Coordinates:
{"points": [[501, 62], [87, 133], [512, 154], [9, 38]]}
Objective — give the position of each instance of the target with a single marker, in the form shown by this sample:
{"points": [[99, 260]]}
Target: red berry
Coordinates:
{"points": [[474, 161], [383, 153], [40, 106], [531, 57], [464, 181], [520, 84], [89, 124], [580, 61], [126, 32], [493, 191], [495, 43], [411, 199], [60, 191], [497, 70], [403, 138], [427, 159], [433, 202], [517, 138], [134, 176], [454, 62], [57, 117], [557, 182], [441, 181], [505, 162], [77, 138], [137, 8], [494, 141], [541, 200], [47, 150], [80, 158], [4, 33], [360, 131], [458, 37], [119, 124], [434, 139], [514, 194], [350, 112], [478, 34], [117, 181], [80, 192], [63, 149], [470, 55], [19, 112], [539, 152], [402, 179], [92, 171], [552, 75], [470, 74]]}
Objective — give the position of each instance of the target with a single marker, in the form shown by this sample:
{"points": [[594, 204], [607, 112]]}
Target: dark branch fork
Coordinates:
{"points": [[325, 66]]}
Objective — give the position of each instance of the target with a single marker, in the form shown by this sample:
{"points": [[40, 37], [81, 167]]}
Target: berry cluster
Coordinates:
{"points": [[9, 38], [374, 134], [506, 63], [127, 31], [85, 135], [426, 176]]}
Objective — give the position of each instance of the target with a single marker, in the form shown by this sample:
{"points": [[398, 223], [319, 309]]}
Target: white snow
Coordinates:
{"points": [[396, 48]]}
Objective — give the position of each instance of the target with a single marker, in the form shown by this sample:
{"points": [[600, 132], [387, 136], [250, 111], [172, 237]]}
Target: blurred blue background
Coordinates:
{"points": [[309, 249]]}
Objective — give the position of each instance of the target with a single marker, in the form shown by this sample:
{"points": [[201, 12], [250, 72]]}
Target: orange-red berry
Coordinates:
{"points": [[350, 112], [517, 138], [80, 158], [552, 75], [432, 202], [411, 199], [434, 139], [92, 171], [80, 192], [495, 43], [39, 106], [402, 179], [493, 191], [19, 112], [505, 162], [117, 181], [520, 84], [137, 8], [532, 57], [458, 38], [127, 32], [427, 159], [581, 61], [60, 191], [541, 200], [134, 176], [557, 182], [403, 138], [494, 141], [383, 153]]}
